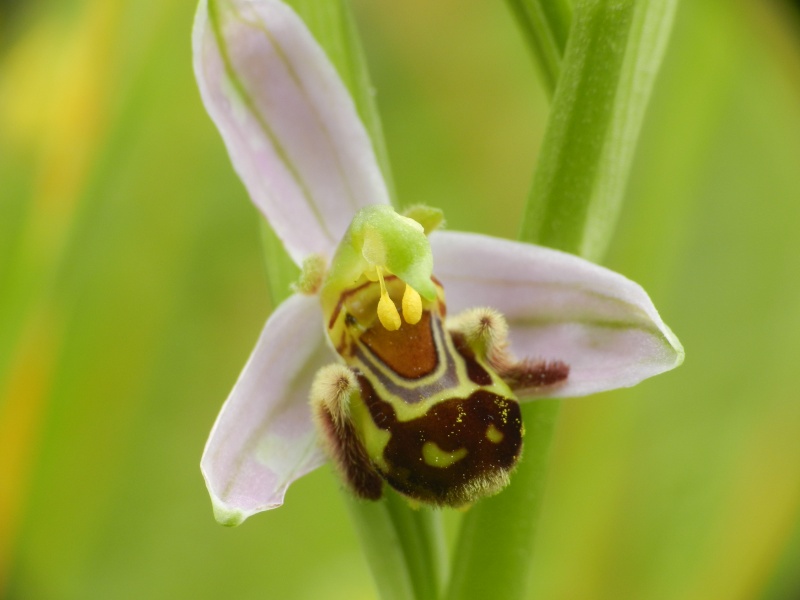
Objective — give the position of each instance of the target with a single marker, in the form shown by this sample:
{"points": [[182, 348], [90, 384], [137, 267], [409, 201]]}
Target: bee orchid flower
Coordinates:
{"points": [[368, 363]]}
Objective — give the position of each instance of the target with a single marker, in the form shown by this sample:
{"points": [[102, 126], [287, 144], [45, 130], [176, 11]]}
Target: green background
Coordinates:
{"points": [[133, 286]]}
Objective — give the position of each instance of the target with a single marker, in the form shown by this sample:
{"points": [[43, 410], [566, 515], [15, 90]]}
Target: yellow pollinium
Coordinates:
{"points": [[412, 306], [387, 311]]}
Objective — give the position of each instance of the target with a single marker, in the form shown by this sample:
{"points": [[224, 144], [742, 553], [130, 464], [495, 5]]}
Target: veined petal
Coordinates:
{"points": [[559, 307], [289, 124], [264, 438]]}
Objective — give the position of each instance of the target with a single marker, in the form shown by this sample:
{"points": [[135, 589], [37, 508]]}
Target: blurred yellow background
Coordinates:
{"points": [[132, 288]]}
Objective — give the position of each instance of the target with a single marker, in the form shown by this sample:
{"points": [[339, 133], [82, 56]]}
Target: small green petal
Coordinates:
{"points": [[430, 218]]}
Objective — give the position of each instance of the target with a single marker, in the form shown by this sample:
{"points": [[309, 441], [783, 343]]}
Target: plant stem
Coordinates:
{"points": [[382, 545], [422, 540], [404, 547]]}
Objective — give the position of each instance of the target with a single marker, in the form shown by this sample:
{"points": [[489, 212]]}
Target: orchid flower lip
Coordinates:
{"points": [[295, 139]]}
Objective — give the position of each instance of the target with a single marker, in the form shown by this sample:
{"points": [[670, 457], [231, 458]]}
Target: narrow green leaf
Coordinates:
{"points": [[610, 63], [545, 24]]}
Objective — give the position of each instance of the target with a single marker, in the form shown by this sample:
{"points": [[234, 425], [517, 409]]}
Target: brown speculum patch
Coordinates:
{"points": [[410, 351], [482, 435]]}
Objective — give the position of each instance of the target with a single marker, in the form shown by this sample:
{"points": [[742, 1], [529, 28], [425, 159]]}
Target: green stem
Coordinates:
{"points": [[422, 539], [495, 546], [382, 545], [404, 547], [545, 24], [334, 27], [610, 63]]}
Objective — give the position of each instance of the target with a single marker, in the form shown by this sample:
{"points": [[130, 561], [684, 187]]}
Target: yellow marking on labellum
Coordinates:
{"points": [[373, 437], [494, 435], [436, 457], [412, 306]]}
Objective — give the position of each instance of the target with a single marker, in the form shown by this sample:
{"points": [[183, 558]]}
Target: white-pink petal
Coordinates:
{"points": [[290, 126], [264, 438], [559, 307]]}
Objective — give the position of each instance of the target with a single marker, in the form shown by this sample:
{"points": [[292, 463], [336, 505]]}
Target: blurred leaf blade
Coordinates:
{"points": [[545, 25], [597, 114]]}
